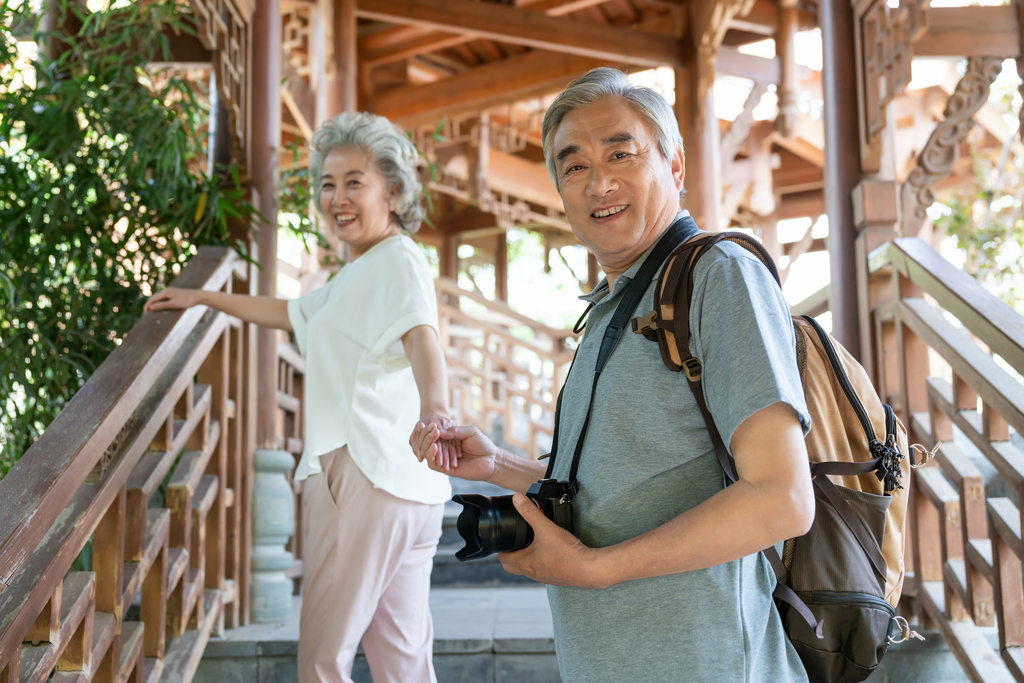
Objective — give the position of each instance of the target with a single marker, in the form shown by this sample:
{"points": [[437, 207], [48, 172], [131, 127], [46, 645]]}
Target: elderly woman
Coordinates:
{"points": [[374, 368]]}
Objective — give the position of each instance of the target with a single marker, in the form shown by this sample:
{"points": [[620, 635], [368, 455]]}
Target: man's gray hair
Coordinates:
{"points": [[606, 82], [389, 149]]}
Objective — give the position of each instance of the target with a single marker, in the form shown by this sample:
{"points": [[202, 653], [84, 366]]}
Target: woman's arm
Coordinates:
{"points": [[430, 371], [262, 310]]}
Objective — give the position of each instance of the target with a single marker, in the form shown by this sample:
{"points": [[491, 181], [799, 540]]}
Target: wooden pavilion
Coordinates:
{"points": [[197, 399]]}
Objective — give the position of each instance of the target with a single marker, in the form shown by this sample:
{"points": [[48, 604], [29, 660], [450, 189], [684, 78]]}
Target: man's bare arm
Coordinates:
{"points": [[772, 501]]}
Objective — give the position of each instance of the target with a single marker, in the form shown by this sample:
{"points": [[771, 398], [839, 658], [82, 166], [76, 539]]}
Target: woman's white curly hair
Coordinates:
{"points": [[391, 151]]}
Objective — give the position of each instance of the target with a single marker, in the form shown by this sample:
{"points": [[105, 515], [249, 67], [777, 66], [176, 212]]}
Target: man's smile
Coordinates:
{"points": [[609, 211]]}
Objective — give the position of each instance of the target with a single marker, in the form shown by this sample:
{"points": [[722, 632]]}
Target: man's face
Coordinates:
{"points": [[619, 192]]}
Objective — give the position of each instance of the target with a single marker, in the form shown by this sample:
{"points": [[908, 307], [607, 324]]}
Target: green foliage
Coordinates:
{"points": [[987, 221], [103, 196]]}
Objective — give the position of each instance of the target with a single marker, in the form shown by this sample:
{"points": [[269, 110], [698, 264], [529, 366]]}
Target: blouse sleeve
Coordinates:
{"points": [[405, 299]]}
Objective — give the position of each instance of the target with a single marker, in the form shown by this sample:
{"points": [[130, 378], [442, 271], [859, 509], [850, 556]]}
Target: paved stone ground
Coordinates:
{"points": [[491, 634]]}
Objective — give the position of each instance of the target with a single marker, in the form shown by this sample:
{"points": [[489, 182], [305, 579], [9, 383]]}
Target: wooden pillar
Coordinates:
{"points": [[346, 70], [265, 140], [321, 16], [501, 268], [695, 113], [875, 219], [789, 77], [842, 165], [479, 159], [448, 255]]}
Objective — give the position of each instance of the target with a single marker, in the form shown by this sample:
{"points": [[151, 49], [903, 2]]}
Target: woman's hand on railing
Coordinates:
{"points": [[263, 310], [172, 298], [476, 453]]}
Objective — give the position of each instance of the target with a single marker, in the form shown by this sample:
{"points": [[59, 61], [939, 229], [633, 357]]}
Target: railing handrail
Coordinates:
{"points": [[988, 317], [446, 285], [39, 486]]}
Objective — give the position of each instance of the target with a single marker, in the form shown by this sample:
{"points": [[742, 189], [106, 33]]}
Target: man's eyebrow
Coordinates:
{"points": [[617, 138], [566, 151]]}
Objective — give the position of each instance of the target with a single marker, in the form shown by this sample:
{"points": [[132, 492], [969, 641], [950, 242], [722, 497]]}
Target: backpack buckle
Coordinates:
{"points": [[642, 324], [691, 366]]}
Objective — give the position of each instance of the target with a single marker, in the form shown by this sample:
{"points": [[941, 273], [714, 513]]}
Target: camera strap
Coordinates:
{"points": [[681, 230]]}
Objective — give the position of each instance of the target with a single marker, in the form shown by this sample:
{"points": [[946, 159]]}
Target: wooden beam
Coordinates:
{"points": [[389, 44], [532, 29], [730, 61], [527, 75], [971, 32], [800, 204]]}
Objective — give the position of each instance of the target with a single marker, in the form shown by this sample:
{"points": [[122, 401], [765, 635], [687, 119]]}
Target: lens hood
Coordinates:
{"points": [[490, 525]]}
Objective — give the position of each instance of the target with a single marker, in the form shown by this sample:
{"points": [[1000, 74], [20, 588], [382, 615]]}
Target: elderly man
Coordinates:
{"points": [[663, 580]]}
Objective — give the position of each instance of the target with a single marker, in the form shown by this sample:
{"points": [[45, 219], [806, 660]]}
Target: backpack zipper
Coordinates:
{"points": [[844, 381], [832, 598]]}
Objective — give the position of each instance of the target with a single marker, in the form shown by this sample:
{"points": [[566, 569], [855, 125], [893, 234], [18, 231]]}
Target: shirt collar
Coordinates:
{"points": [[601, 291]]}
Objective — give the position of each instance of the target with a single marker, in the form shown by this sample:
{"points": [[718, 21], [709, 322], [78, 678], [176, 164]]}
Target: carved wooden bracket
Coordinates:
{"points": [[884, 44], [223, 30], [936, 159]]}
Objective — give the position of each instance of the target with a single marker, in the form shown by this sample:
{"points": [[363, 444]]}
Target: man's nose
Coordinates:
{"points": [[601, 182]]}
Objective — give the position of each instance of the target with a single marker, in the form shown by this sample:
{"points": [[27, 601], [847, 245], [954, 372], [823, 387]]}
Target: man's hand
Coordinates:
{"points": [[475, 452], [172, 298], [555, 557]]}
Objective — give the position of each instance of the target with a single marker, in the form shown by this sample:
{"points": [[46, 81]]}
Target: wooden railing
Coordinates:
{"points": [[493, 372], [150, 465], [953, 355], [291, 430]]}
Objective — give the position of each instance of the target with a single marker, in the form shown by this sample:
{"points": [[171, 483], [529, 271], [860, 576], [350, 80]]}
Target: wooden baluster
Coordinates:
{"points": [[108, 563], [46, 627], [11, 673], [927, 553], [1004, 531], [233, 479], [76, 654], [214, 371], [912, 357], [993, 426], [153, 611]]}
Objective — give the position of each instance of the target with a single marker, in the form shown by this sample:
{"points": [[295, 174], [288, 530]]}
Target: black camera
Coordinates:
{"points": [[491, 525]]}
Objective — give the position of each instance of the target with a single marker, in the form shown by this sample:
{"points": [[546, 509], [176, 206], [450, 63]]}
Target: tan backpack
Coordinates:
{"points": [[838, 585]]}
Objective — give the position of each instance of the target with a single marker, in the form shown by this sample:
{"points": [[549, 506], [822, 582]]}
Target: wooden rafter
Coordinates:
{"points": [[531, 29], [527, 75]]}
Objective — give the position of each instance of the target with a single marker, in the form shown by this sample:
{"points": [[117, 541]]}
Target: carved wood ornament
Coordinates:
{"points": [[884, 43], [936, 159], [223, 30]]}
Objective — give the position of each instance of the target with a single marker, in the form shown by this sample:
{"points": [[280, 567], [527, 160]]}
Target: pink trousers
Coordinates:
{"points": [[366, 577]]}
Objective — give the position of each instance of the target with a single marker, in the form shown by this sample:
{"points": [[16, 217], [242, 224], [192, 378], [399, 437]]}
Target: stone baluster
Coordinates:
{"points": [[273, 522]]}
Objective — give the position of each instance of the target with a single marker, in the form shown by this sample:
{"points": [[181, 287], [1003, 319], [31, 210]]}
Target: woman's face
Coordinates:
{"points": [[355, 199]]}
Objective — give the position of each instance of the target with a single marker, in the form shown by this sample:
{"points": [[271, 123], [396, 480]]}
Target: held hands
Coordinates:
{"points": [[172, 298], [555, 557], [475, 452], [445, 452]]}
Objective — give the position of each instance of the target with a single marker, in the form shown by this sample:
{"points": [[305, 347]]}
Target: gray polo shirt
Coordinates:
{"points": [[647, 458]]}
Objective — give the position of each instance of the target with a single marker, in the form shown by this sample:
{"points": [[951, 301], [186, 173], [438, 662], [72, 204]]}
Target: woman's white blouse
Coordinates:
{"points": [[360, 390]]}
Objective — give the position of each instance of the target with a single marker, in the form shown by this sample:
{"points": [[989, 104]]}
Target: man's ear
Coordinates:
{"points": [[678, 162]]}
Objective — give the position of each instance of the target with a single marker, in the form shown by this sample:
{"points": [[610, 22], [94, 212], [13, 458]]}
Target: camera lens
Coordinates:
{"points": [[490, 525]]}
